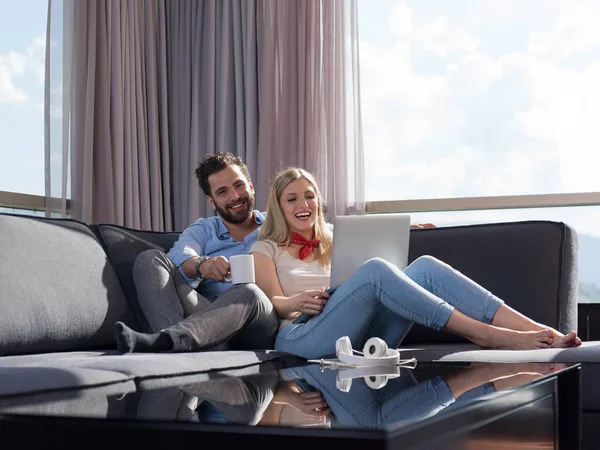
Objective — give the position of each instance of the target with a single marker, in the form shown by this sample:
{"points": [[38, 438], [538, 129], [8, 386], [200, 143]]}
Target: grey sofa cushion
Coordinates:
{"points": [[149, 370], [531, 265], [35, 379], [63, 391], [123, 245], [588, 352], [57, 290], [98, 402]]}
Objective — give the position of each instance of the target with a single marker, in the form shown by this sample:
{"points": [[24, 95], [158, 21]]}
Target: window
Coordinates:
{"points": [[484, 98], [22, 47]]}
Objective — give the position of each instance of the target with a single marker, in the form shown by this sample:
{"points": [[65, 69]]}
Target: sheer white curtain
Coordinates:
{"points": [[312, 118], [138, 92], [57, 74], [345, 153]]}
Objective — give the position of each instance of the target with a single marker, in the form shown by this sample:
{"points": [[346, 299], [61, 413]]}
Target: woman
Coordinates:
{"points": [[292, 265]]}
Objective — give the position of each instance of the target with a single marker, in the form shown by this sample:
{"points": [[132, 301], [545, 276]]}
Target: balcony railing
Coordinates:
{"points": [[481, 203], [27, 202], [30, 202]]}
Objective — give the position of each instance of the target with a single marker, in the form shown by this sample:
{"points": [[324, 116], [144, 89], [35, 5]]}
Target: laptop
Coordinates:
{"points": [[357, 239]]}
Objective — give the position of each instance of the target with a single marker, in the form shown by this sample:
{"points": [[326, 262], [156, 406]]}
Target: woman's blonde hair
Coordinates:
{"points": [[275, 227]]}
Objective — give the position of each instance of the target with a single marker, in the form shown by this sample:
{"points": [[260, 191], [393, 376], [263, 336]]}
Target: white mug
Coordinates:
{"points": [[242, 269]]}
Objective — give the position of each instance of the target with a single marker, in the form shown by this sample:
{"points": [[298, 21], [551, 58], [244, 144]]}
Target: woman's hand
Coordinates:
{"points": [[309, 403], [311, 301]]}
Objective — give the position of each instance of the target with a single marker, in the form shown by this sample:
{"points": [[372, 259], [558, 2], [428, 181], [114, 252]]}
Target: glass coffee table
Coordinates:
{"points": [[287, 403]]}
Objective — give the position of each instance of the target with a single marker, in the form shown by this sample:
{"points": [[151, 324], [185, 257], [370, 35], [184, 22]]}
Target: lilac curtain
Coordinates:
{"points": [[107, 139], [137, 93]]}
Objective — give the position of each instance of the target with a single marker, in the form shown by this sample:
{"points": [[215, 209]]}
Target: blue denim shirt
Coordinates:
{"points": [[209, 236]]}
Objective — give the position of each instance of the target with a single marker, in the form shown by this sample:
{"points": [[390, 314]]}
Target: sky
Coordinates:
{"points": [[22, 47], [463, 98], [482, 98]]}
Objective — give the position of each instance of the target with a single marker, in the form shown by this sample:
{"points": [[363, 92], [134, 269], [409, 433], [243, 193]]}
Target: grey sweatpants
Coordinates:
{"points": [[242, 315], [241, 400]]}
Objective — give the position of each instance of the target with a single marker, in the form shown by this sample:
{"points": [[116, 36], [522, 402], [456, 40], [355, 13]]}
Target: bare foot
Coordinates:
{"points": [[503, 338], [537, 368], [566, 341]]}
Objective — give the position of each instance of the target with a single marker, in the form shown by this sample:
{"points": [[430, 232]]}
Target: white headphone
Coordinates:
{"points": [[376, 363], [375, 353], [375, 377]]}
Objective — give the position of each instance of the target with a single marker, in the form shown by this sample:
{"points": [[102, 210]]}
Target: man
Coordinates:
{"points": [[187, 301]]}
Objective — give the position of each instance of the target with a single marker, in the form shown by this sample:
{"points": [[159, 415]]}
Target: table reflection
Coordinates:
{"points": [[312, 396]]}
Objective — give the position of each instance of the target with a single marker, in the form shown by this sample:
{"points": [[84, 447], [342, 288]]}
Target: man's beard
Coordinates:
{"points": [[238, 216]]}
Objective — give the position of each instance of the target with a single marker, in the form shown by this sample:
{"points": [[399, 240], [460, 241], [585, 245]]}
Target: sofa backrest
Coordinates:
{"points": [[531, 265], [58, 292], [123, 245]]}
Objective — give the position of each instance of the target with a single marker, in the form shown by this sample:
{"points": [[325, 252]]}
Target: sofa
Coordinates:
{"points": [[64, 284]]}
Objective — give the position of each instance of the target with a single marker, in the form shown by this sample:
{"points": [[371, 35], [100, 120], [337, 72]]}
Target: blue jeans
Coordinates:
{"points": [[380, 300], [401, 399]]}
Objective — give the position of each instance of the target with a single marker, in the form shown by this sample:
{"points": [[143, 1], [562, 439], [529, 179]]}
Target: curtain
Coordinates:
{"points": [[146, 89], [275, 82], [107, 129], [213, 101], [315, 116]]}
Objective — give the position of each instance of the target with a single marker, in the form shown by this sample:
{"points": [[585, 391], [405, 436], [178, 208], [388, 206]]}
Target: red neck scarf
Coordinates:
{"points": [[307, 244]]}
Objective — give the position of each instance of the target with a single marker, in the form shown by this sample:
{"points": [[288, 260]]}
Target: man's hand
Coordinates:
{"points": [[216, 268]]}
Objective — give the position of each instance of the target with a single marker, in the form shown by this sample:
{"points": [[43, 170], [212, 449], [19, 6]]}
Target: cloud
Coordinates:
{"points": [[14, 65], [388, 74], [401, 21], [392, 88], [36, 55], [451, 108], [9, 93], [11, 65], [493, 12], [387, 69], [414, 130], [515, 172], [435, 178], [478, 70], [442, 39], [14, 62], [438, 36], [564, 111], [575, 32]]}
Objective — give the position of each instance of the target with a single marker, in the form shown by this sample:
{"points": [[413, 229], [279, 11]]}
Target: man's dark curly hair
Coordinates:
{"points": [[215, 162]]}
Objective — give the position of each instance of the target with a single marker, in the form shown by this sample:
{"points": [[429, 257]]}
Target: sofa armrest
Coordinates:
{"points": [[531, 265]]}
